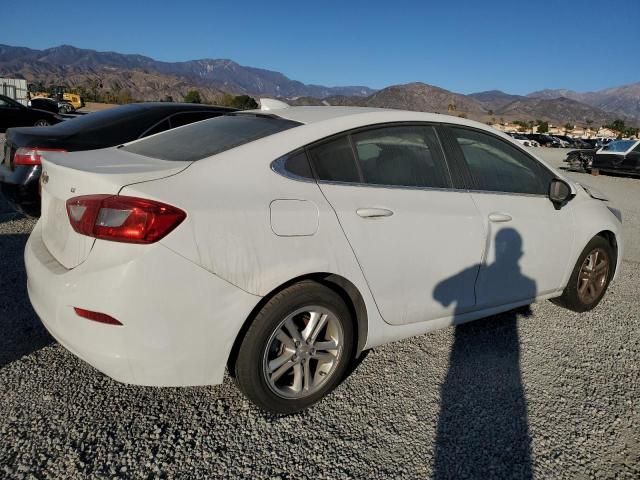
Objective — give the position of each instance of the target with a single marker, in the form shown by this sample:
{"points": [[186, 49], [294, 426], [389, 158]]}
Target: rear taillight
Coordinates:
{"points": [[122, 219], [32, 155]]}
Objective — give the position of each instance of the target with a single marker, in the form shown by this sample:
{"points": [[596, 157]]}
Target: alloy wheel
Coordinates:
{"points": [[593, 276], [303, 352]]}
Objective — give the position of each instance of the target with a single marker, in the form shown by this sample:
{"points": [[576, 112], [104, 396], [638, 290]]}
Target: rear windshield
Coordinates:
{"points": [[101, 119], [209, 137]]}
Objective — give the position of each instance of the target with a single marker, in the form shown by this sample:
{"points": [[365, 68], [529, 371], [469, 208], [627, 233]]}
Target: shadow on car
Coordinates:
{"points": [[483, 425], [21, 332]]}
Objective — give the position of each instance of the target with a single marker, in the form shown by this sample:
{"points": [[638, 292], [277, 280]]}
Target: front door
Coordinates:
{"points": [[529, 242]]}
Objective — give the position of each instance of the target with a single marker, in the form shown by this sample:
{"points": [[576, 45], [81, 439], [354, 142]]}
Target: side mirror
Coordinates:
{"points": [[559, 193]]}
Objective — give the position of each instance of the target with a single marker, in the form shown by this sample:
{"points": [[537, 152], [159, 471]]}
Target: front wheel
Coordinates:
{"points": [[590, 277], [41, 123], [297, 349]]}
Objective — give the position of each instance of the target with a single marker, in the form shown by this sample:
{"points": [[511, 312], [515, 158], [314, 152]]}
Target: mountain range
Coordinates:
{"points": [[147, 79]]}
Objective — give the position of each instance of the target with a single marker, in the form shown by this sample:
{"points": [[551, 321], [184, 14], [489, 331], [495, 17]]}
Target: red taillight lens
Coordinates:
{"points": [[96, 316], [122, 219], [32, 155]]}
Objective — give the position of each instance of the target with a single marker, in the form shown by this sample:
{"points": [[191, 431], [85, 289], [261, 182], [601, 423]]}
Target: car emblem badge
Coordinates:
{"points": [[45, 177]]}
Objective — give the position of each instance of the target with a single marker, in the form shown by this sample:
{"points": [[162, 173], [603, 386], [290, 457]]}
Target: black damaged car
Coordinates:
{"points": [[621, 156], [21, 154]]}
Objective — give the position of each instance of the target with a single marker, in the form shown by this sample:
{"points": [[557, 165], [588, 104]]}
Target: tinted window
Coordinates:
{"points": [[499, 167], [404, 155], [295, 164], [333, 161], [160, 127], [186, 118], [207, 138], [116, 116]]}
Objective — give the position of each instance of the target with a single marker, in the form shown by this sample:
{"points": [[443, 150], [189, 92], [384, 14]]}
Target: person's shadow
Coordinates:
{"points": [[483, 429]]}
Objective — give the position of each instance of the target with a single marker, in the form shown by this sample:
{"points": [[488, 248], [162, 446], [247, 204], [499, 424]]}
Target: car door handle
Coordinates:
{"points": [[374, 212], [499, 217]]}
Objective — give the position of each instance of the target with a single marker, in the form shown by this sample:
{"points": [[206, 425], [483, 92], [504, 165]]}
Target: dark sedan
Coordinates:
{"points": [[622, 156], [14, 114], [51, 105], [20, 158]]}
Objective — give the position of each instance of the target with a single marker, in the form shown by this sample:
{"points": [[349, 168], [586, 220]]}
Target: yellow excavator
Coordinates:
{"points": [[58, 93]]}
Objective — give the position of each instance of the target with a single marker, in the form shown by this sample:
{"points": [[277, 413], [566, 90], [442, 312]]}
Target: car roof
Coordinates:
{"points": [[310, 115], [168, 106]]}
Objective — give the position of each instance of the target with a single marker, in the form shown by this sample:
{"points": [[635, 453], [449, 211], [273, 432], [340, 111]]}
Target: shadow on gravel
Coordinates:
{"points": [[21, 332], [483, 429]]}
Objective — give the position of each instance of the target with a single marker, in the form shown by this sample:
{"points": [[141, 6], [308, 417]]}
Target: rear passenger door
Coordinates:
{"points": [[391, 190]]}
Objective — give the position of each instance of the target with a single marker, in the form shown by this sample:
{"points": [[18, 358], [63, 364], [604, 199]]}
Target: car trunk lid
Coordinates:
{"points": [[68, 175], [28, 137]]}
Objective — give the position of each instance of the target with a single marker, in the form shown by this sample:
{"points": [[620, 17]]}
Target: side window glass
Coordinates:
{"points": [[407, 156], [499, 167], [637, 149], [189, 117], [294, 165], [160, 127], [333, 161]]}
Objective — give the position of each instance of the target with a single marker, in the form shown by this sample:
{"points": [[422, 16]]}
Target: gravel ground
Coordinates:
{"points": [[539, 392]]}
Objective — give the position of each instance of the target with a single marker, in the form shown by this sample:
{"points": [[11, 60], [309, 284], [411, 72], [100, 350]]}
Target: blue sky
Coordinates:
{"points": [[462, 45]]}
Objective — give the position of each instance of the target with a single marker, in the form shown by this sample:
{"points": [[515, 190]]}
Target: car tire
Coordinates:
{"points": [[590, 277], [297, 348], [41, 123]]}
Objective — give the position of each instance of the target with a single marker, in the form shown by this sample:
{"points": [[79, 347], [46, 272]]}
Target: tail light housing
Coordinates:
{"points": [[122, 219], [32, 155]]}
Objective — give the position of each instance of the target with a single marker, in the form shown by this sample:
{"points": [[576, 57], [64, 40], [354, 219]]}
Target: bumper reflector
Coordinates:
{"points": [[96, 316]]}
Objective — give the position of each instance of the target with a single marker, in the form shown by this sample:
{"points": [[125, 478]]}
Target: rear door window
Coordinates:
{"points": [[210, 137], [405, 155]]}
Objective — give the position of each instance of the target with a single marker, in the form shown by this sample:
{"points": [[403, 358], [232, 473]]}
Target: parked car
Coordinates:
{"points": [[524, 141], [51, 105], [544, 140], [582, 143], [14, 114], [20, 167], [283, 243], [561, 143], [622, 156]]}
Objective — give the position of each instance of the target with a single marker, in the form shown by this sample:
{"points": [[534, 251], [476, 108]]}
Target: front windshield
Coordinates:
{"points": [[619, 146]]}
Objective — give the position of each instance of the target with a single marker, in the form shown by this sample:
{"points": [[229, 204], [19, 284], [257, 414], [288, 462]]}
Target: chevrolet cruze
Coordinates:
{"points": [[282, 243]]}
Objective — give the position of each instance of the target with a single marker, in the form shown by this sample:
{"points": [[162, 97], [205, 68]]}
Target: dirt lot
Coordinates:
{"points": [[544, 393]]}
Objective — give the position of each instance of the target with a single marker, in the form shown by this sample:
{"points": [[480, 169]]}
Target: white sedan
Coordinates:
{"points": [[282, 243]]}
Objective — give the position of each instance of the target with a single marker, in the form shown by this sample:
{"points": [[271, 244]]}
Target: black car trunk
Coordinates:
{"points": [[30, 137]]}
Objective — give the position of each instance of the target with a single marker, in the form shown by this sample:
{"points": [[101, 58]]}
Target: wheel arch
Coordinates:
{"points": [[610, 237], [339, 284]]}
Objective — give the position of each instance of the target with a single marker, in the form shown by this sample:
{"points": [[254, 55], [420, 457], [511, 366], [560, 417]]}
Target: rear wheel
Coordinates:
{"points": [[296, 350], [590, 277]]}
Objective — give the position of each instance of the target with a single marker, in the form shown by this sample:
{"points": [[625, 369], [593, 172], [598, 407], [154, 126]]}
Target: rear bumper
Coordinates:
{"points": [[179, 321]]}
